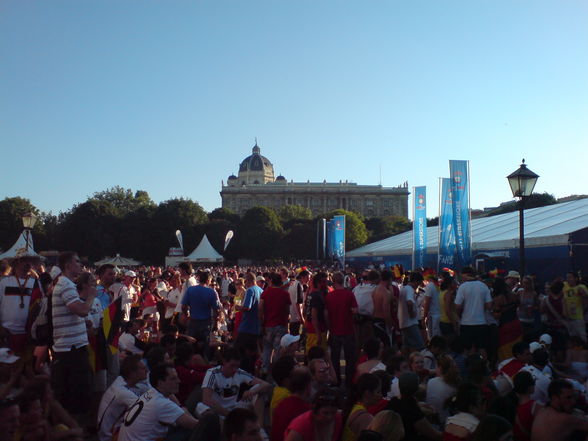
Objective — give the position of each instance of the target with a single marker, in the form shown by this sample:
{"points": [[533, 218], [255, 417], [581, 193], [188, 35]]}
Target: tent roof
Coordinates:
{"points": [[118, 261], [204, 252], [21, 248], [544, 226]]}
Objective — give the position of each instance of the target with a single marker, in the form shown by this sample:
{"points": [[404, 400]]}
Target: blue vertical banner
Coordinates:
{"points": [[330, 239], [460, 192], [339, 239], [419, 228], [446, 232]]}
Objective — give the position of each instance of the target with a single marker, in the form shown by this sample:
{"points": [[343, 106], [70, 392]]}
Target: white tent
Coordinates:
{"points": [[118, 261], [204, 252], [21, 247]]}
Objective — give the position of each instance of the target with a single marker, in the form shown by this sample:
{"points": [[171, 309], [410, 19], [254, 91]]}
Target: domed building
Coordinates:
{"points": [[255, 185]]}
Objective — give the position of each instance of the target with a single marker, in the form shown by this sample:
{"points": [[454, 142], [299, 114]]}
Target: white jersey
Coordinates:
{"points": [[541, 384], [115, 402], [225, 390], [127, 293], [432, 292], [363, 296], [15, 298], [191, 281], [404, 319], [174, 296], [149, 418]]}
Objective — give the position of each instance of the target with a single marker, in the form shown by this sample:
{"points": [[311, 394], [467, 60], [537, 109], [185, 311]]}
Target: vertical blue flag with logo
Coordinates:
{"points": [[419, 229], [339, 239], [460, 192], [446, 232]]}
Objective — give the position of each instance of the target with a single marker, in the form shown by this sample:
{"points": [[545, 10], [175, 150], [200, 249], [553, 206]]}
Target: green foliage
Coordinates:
{"points": [[382, 227], [533, 201], [123, 200], [11, 212], [260, 234], [294, 213], [224, 214], [356, 233]]}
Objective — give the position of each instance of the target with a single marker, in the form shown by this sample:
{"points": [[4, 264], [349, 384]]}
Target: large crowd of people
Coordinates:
{"points": [[289, 353]]}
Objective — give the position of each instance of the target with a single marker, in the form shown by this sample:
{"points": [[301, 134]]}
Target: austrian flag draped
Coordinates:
{"points": [[419, 229], [460, 191]]}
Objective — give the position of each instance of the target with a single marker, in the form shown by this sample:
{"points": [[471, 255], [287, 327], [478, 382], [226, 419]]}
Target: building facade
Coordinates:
{"points": [[255, 185]]}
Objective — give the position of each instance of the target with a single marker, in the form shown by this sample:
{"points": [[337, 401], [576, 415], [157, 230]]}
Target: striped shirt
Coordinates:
{"points": [[69, 329]]}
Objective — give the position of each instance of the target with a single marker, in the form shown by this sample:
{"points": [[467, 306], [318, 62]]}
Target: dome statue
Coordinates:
{"points": [[255, 168]]}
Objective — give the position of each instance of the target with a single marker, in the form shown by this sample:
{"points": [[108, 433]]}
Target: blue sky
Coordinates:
{"points": [[168, 96]]}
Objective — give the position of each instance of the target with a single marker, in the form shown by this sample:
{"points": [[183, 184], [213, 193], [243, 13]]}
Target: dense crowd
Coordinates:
{"points": [[289, 354]]}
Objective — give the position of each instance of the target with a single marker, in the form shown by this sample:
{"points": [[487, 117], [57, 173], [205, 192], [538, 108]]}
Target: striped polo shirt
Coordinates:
{"points": [[69, 330]]}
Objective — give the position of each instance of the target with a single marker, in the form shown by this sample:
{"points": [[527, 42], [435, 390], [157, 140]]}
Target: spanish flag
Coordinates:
{"points": [[111, 322]]}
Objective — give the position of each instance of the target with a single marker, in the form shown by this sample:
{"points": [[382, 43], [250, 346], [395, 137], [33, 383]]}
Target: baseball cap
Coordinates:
{"points": [[288, 339], [513, 275], [545, 339], [130, 274], [260, 279], [7, 357], [534, 346]]}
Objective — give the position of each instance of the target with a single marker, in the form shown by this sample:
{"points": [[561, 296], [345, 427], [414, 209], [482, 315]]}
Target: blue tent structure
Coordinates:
{"points": [[556, 241]]}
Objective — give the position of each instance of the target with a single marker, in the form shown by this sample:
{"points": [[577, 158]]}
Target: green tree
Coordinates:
{"points": [[259, 234], [299, 241], [533, 201], [294, 213], [382, 227], [356, 233], [124, 200], [183, 214], [11, 212], [224, 214]]}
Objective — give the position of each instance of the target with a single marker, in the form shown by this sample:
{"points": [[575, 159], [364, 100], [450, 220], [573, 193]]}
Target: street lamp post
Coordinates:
{"points": [[28, 221], [522, 182]]}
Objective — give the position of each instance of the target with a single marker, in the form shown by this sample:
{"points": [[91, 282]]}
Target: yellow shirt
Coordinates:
{"points": [[348, 433], [278, 395], [573, 298]]}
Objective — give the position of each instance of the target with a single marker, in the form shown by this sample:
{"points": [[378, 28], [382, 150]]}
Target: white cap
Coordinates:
{"points": [[55, 271], [513, 275], [545, 339], [7, 357], [288, 339], [130, 273], [534, 346]]}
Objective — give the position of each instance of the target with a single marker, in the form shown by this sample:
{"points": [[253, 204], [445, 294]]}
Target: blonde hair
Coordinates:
{"points": [[388, 424]]}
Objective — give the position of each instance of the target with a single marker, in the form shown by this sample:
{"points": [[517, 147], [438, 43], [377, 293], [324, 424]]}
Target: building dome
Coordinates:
{"points": [[255, 168], [280, 178], [232, 177]]}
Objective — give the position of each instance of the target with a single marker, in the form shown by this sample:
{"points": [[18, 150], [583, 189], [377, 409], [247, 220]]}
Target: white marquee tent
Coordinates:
{"points": [[21, 247], [204, 252]]}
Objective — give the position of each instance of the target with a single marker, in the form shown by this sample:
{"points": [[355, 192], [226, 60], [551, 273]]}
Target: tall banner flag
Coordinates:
{"points": [[419, 228], [460, 192], [180, 240], [446, 233], [330, 239], [228, 238], [339, 239]]}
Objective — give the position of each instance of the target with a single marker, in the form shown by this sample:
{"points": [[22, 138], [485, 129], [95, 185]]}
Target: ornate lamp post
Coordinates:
{"points": [[522, 182], [28, 221]]}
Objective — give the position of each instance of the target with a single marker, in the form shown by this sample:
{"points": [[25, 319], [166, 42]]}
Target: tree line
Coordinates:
{"points": [[130, 223]]}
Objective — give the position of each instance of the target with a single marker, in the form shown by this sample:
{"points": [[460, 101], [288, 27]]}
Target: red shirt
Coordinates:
{"points": [[339, 305], [288, 409], [276, 307], [190, 377]]}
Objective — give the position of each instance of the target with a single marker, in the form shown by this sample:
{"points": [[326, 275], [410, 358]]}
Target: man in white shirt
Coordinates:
{"points": [[226, 386], [472, 300], [365, 304], [158, 411], [121, 395], [432, 306], [127, 291], [188, 280], [71, 370], [407, 314], [129, 341], [540, 359]]}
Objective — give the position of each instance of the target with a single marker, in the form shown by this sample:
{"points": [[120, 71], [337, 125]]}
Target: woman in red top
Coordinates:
{"points": [[524, 386], [322, 423]]}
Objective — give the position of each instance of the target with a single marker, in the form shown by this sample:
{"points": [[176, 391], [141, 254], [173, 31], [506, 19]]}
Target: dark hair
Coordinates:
{"points": [[103, 268], [499, 287], [129, 365], [275, 279], [338, 278], [167, 340], [299, 380], [447, 281], [26, 399], [519, 347], [45, 280], [159, 373], [231, 353], [556, 386], [315, 352], [236, 419], [370, 435], [438, 341], [282, 368], [386, 276], [186, 267], [169, 329], [491, 428], [302, 274], [83, 279], [395, 362], [373, 276], [556, 287], [326, 397], [574, 274], [204, 277], [184, 352], [65, 257], [477, 368], [540, 357], [365, 383], [155, 356], [468, 270], [318, 278], [522, 381], [468, 395], [371, 348], [416, 277]]}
